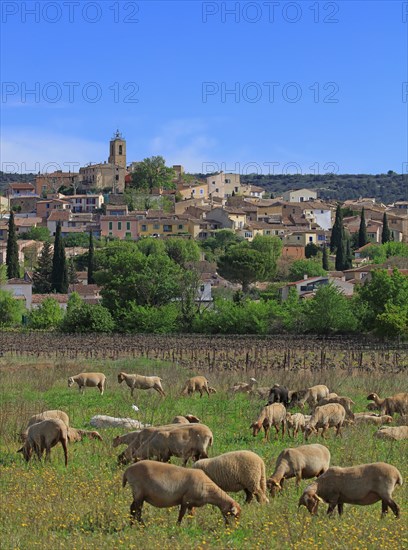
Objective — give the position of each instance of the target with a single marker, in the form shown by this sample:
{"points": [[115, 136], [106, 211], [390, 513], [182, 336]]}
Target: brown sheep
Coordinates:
{"points": [[271, 415], [44, 435], [75, 435], [302, 462], [139, 382], [310, 396], [45, 415], [197, 383], [325, 417], [363, 485], [166, 485], [186, 419], [374, 420], [342, 400], [397, 433], [90, 380], [390, 405]]}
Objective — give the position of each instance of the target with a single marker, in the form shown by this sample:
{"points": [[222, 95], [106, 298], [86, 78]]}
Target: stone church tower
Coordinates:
{"points": [[117, 150]]}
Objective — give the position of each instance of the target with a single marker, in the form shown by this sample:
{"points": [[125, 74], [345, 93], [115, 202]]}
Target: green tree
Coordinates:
{"points": [[329, 312], [182, 250], [91, 260], [362, 232], [47, 316], [43, 272], [349, 255], [11, 310], [337, 231], [37, 234], [72, 272], [386, 233], [241, 264], [13, 268], [85, 318], [325, 259], [299, 268], [270, 248], [311, 250], [152, 173], [341, 252], [59, 277]]}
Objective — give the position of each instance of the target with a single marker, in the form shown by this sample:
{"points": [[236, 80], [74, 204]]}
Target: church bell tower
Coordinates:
{"points": [[117, 150]]}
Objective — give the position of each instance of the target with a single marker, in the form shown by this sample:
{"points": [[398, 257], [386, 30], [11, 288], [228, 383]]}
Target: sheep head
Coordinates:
{"points": [[255, 427], [120, 377], [273, 486], [372, 397], [233, 512], [27, 451], [311, 500], [70, 381]]}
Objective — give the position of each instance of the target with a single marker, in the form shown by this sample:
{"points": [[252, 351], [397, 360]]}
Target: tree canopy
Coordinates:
{"points": [[152, 173]]}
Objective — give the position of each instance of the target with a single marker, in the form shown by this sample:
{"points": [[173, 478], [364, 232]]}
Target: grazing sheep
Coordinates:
{"points": [[397, 433], [244, 387], [371, 419], [137, 438], [302, 462], [44, 435], [296, 422], [365, 413], [125, 439], [262, 392], [197, 383], [271, 415], [373, 407], [139, 382], [104, 421], [237, 471], [390, 405], [325, 417], [211, 389], [278, 394], [166, 485], [186, 419], [310, 396], [362, 485], [45, 415], [342, 400], [90, 380], [77, 435], [185, 442]]}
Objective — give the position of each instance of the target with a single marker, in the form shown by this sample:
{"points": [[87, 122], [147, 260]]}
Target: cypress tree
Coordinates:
{"points": [[386, 233], [91, 260], [336, 235], [341, 255], [349, 256], [13, 268], [362, 232], [59, 277], [43, 272], [325, 260]]}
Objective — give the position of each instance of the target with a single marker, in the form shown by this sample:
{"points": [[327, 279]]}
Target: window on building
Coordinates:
{"points": [[216, 190], [144, 227], [119, 226], [167, 228], [227, 181], [180, 227], [128, 226], [236, 189], [310, 239], [156, 226], [201, 191], [110, 225], [128, 234], [120, 149]]}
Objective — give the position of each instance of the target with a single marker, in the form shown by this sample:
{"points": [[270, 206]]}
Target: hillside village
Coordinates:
{"points": [[94, 200]]}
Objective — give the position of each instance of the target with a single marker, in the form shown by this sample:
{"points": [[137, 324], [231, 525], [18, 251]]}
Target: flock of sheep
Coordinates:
{"points": [[154, 480]]}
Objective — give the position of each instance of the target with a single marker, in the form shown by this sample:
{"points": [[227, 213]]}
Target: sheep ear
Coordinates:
{"points": [[20, 450], [319, 498]]}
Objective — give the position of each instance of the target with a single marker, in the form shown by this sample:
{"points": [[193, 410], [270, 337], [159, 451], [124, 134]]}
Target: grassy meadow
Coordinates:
{"points": [[84, 506]]}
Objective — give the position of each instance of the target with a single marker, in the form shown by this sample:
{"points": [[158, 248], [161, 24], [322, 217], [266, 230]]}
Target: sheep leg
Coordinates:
{"points": [[64, 446], [100, 386], [249, 496], [48, 454], [201, 392], [37, 451], [324, 430], [283, 429], [136, 512], [338, 431], [132, 389], [340, 507], [391, 504], [183, 510], [331, 508], [207, 390]]}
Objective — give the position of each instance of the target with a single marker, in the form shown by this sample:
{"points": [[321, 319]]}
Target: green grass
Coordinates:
{"points": [[84, 506]]}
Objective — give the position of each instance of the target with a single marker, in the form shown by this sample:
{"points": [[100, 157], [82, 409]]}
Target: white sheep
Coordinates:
{"points": [[310, 396], [244, 387], [396, 433], [374, 420], [89, 380], [296, 422], [237, 471], [104, 421], [139, 382], [363, 485], [325, 417], [271, 415], [346, 402], [196, 383], [166, 485], [186, 419], [303, 462], [43, 436]]}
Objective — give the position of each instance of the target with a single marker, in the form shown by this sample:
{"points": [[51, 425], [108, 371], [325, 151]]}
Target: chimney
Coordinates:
{"points": [[305, 277]]}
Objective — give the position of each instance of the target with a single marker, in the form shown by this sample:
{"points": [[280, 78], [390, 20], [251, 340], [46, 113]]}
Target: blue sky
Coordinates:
{"points": [[240, 86]]}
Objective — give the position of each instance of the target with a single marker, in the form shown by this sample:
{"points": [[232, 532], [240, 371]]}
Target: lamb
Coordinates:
{"points": [[237, 471], [44, 435], [326, 416], [296, 422], [139, 382], [77, 435], [371, 419], [104, 421], [278, 394], [166, 485], [35, 418], [310, 396], [390, 405], [396, 433], [302, 462], [363, 485], [197, 383], [125, 439], [90, 380], [271, 415], [182, 441], [186, 419], [345, 401]]}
